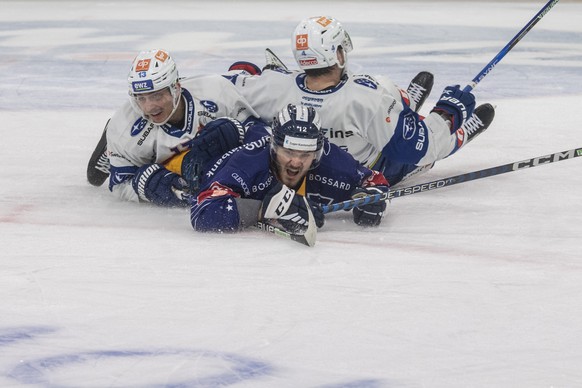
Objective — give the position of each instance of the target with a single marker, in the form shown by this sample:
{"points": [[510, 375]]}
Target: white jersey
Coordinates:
{"points": [[133, 141], [362, 114]]}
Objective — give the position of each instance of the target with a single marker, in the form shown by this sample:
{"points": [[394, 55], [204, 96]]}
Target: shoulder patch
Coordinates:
{"points": [[209, 105], [367, 82], [138, 126]]}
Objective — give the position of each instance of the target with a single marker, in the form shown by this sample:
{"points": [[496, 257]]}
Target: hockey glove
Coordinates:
{"points": [[219, 136], [215, 139], [370, 214], [289, 209], [248, 67], [455, 103], [153, 183]]}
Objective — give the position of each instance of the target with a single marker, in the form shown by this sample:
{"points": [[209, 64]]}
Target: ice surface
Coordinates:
{"points": [[476, 285]]}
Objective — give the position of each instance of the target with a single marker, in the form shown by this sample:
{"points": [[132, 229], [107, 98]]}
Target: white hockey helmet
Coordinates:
{"points": [[151, 71], [316, 41]]}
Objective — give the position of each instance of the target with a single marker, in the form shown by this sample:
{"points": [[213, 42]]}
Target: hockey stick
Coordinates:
{"points": [[308, 238], [487, 69], [440, 183]]}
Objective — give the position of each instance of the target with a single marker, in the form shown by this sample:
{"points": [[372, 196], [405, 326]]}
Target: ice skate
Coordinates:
{"points": [[419, 89], [478, 122]]}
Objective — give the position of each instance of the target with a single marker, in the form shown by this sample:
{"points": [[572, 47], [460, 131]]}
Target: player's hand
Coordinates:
{"points": [[456, 104], [153, 183], [289, 209], [372, 213]]}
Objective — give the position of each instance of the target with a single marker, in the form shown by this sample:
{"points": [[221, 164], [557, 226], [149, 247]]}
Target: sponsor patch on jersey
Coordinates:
{"points": [[143, 65], [142, 86], [210, 106], [301, 42], [138, 126], [408, 127]]}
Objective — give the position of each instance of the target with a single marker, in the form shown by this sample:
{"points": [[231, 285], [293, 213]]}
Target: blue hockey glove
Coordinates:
{"points": [[457, 104], [218, 136], [289, 209], [370, 214], [153, 183], [215, 139]]}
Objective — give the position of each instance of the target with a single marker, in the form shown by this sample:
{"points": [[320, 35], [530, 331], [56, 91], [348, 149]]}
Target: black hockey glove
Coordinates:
{"points": [[457, 104], [289, 209], [153, 183], [370, 214], [215, 139]]}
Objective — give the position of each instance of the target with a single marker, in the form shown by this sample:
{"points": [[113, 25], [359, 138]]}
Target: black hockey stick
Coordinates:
{"points": [[440, 183], [487, 69]]}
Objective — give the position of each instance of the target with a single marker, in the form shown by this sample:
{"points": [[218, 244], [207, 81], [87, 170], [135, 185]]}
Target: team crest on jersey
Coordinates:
{"points": [[210, 106], [408, 127], [138, 126], [366, 82]]}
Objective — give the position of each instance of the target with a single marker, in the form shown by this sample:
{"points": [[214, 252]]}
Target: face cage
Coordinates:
{"points": [[274, 147], [176, 93]]}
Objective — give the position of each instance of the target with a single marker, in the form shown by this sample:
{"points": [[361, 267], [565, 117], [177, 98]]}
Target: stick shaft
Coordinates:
{"points": [[445, 182], [487, 69]]}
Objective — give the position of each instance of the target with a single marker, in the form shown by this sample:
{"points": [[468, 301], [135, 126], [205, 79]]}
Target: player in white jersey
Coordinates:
{"points": [[162, 118], [369, 116]]}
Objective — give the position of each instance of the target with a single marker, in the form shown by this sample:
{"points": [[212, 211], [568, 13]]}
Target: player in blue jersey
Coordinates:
{"points": [[282, 177]]}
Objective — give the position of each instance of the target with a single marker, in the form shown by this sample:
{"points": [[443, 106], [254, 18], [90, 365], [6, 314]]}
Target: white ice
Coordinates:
{"points": [[473, 285]]}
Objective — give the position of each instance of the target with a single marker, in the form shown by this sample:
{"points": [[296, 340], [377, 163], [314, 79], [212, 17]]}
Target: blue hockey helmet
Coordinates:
{"points": [[298, 128]]}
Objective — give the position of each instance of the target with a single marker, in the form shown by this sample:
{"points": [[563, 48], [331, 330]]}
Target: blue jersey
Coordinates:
{"points": [[246, 172]]}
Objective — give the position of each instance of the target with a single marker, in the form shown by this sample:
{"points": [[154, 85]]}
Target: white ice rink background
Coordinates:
{"points": [[474, 285]]}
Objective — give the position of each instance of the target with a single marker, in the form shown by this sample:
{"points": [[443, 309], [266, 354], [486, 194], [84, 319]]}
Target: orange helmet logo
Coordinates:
{"points": [[161, 56], [143, 65], [323, 21], [301, 42]]}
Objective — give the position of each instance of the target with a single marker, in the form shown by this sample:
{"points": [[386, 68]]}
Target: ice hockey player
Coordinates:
{"points": [[369, 116], [282, 177], [164, 116]]}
